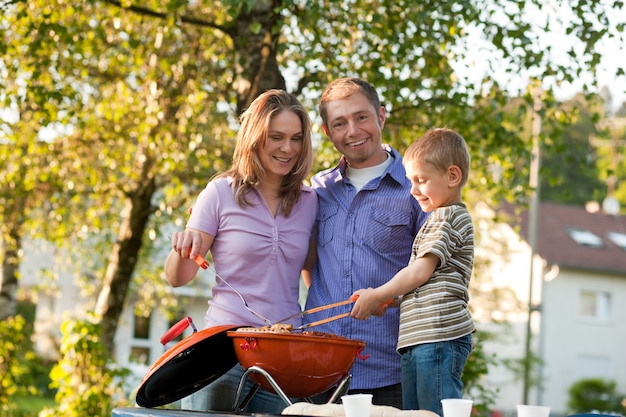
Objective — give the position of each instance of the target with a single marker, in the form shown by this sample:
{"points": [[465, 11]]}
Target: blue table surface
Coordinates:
{"points": [[161, 412]]}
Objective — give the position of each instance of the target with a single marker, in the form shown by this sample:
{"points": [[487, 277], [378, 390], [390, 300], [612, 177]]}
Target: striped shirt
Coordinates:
{"points": [[438, 310], [364, 239]]}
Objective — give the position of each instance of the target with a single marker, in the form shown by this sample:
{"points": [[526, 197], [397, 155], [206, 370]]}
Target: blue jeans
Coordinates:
{"points": [[220, 395], [432, 372]]}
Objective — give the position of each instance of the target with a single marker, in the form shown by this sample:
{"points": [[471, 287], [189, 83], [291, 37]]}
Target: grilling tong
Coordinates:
{"points": [[204, 264]]}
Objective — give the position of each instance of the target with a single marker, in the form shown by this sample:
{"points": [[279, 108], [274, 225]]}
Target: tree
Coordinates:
{"points": [[15, 354], [148, 96], [609, 143], [27, 168], [85, 378], [595, 395], [571, 174]]}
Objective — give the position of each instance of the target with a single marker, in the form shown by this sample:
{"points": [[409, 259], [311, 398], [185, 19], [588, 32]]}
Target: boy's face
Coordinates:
{"points": [[355, 128], [431, 187]]}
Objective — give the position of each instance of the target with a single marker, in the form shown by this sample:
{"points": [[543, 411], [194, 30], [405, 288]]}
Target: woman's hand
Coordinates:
{"points": [[187, 244], [180, 267]]}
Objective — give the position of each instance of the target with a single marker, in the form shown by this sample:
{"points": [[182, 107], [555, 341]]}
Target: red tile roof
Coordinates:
{"points": [[556, 246]]}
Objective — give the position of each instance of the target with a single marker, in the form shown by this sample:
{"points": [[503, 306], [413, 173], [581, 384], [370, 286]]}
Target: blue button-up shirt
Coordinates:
{"points": [[364, 238]]}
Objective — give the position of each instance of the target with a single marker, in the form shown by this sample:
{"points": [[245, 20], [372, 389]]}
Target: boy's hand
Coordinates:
{"points": [[368, 304]]}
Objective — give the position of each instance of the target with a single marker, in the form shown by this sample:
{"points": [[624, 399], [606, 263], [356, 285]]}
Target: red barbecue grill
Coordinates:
{"points": [[290, 364], [287, 363]]}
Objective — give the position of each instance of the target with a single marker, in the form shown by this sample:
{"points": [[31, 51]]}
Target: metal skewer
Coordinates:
{"points": [[204, 264]]}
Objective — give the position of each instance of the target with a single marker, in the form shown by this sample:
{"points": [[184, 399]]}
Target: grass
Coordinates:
{"points": [[30, 406]]}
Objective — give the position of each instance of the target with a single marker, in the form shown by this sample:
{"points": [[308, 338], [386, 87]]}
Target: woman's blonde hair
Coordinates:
{"points": [[246, 170]]}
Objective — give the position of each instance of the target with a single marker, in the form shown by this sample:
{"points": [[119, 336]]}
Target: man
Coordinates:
{"points": [[367, 221]]}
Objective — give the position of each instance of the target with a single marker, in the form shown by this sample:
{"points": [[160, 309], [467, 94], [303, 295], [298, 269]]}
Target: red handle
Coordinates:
{"points": [[177, 329], [361, 355], [249, 344]]}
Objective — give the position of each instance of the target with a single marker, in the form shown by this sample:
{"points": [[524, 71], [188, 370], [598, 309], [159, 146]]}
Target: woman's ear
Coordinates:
{"points": [[454, 176]]}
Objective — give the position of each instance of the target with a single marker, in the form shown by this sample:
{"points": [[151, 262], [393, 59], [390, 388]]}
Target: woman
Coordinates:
{"points": [[256, 220]]}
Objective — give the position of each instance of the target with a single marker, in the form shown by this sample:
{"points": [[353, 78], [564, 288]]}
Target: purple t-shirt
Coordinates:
{"points": [[259, 255]]}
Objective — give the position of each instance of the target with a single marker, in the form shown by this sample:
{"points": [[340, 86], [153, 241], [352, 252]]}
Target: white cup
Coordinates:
{"points": [[357, 405], [532, 411], [457, 407]]}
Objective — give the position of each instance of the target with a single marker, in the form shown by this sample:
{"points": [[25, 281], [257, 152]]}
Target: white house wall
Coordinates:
{"points": [[509, 267], [50, 285], [570, 341], [571, 347]]}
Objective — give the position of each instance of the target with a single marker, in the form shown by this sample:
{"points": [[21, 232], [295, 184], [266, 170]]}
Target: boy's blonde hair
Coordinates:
{"points": [[441, 147]]}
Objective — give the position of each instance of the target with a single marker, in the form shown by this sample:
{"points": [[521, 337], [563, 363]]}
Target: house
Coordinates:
{"points": [[137, 341], [578, 318]]}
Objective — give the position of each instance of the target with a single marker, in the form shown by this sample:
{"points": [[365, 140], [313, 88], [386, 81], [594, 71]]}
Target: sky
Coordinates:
{"points": [[613, 56]]}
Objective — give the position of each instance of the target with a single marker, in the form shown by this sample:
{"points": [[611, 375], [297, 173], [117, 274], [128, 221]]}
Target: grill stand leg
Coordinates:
{"points": [[240, 407], [341, 389], [244, 403]]}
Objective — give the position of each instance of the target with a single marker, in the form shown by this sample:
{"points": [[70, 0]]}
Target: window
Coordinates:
{"points": [[585, 237], [595, 304], [618, 238], [141, 327]]}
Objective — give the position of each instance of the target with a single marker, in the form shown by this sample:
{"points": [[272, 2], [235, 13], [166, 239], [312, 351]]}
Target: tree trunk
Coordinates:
{"points": [[123, 260], [11, 232], [10, 249], [255, 51]]}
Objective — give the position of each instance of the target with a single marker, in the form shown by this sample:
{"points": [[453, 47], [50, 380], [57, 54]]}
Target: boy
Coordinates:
{"points": [[435, 324]]}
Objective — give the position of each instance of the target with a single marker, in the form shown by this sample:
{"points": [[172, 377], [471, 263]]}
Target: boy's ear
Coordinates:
{"points": [[325, 129], [454, 176]]}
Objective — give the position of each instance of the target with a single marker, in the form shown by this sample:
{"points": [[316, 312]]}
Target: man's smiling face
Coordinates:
{"points": [[355, 128]]}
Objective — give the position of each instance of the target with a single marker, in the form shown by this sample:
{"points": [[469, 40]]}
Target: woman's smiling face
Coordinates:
{"points": [[283, 146]]}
